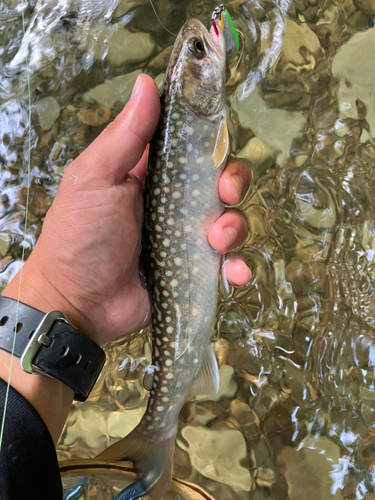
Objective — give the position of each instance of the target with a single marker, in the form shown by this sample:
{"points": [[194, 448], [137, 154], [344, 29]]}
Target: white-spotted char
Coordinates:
{"points": [[187, 156]]}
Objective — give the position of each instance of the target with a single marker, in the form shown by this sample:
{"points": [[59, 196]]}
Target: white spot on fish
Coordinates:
{"points": [[153, 217], [195, 270], [164, 305], [157, 353], [165, 293], [168, 273], [159, 408], [174, 282], [190, 148], [177, 233], [153, 203], [162, 283], [195, 177], [200, 160], [196, 192], [155, 178], [206, 144], [190, 130], [175, 116], [195, 312], [169, 362], [173, 345], [170, 164], [163, 255], [170, 221], [158, 342], [167, 353], [168, 319], [178, 261], [158, 228], [168, 376], [164, 390], [176, 194], [182, 160], [166, 242], [170, 329], [183, 246], [183, 177], [165, 399], [149, 418]]}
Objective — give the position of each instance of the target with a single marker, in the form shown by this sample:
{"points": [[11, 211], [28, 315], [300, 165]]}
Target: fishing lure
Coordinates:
{"points": [[222, 18]]}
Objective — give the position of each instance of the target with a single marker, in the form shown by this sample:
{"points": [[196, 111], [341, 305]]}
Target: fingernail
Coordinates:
{"points": [[230, 235], [239, 183], [137, 86]]}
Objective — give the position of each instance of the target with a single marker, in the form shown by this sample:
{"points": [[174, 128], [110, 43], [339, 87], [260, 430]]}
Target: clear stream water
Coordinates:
{"points": [[295, 416]]}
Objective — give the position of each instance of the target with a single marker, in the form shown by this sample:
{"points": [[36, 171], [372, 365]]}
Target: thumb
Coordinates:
{"points": [[121, 145]]}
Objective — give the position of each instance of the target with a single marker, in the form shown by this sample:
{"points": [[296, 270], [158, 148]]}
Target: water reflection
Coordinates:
{"points": [[295, 415]]}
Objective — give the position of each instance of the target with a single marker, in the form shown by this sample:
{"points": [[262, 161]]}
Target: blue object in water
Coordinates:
{"points": [[74, 493], [132, 492]]}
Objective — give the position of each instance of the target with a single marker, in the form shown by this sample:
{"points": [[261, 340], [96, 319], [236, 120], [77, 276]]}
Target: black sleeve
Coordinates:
{"points": [[28, 462]]}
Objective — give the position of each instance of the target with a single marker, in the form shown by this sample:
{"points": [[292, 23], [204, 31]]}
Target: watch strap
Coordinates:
{"points": [[64, 352]]}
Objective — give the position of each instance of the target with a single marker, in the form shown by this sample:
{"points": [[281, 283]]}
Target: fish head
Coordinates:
{"points": [[197, 68]]}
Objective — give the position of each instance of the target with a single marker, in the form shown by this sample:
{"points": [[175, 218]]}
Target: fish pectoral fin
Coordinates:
{"points": [[221, 150], [207, 380]]}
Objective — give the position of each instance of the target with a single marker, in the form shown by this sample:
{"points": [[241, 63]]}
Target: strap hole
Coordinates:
{"points": [[87, 366], [19, 327], [31, 334], [64, 351], [77, 359], [4, 320]]}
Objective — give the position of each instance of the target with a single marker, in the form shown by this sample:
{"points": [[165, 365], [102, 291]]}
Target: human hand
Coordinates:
{"points": [[85, 262]]}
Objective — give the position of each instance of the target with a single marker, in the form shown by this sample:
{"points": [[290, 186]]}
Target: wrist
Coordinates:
{"points": [[33, 288]]}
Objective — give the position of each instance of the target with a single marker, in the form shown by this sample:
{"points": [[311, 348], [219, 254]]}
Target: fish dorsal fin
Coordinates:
{"points": [[207, 380], [221, 150]]}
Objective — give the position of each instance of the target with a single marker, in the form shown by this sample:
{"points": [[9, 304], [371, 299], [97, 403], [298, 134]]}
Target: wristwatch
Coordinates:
{"points": [[49, 345]]}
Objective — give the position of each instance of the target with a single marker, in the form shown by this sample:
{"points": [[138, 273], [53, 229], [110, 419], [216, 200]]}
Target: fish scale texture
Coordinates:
{"points": [[28, 462]]}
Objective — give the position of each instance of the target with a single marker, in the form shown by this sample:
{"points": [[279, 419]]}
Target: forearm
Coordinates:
{"points": [[50, 397]]}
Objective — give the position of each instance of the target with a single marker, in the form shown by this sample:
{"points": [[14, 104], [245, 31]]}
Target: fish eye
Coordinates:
{"points": [[197, 47]]}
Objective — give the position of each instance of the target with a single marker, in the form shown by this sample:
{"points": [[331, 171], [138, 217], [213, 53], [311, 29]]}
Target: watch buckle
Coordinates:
{"points": [[39, 338]]}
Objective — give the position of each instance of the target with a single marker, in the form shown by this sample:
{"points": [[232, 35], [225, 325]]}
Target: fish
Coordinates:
{"points": [[186, 159]]}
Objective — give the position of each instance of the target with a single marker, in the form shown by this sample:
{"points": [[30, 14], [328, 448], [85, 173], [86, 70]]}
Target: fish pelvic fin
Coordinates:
{"points": [[152, 457]]}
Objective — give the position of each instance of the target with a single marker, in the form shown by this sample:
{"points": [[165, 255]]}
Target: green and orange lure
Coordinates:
{"points": [[222, 18]]}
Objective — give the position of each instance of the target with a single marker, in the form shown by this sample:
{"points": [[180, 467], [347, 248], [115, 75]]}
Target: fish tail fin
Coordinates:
{"points": [[153, 461]]}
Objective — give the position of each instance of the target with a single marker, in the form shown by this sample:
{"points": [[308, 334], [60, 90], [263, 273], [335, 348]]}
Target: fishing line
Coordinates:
{"points": [[158, 18], [24, 237]]}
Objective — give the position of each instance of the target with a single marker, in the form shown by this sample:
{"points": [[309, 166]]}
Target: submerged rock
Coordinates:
{"points": [[48, 110], [94, 117], [218, 454], [118, 45], [116, 90]]}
